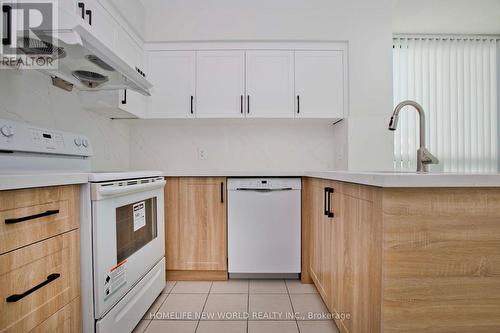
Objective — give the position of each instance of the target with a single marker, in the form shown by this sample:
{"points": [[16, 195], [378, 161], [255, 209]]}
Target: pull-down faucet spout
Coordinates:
{"points": [[424, 157]]}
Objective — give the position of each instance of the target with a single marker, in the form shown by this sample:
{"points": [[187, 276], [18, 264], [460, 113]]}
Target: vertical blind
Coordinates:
{"points": [[455, 80]]}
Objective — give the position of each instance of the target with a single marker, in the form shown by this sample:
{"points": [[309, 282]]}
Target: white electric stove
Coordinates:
{"points": [[121, 224]]}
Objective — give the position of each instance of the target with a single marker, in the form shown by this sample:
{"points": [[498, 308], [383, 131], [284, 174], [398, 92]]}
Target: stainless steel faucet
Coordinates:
{"points": [[424, 157]]}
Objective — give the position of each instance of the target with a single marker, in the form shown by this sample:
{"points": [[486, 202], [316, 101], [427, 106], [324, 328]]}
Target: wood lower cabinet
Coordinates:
{"points": [[320, 265], [63, 321], [356, 248], [40, 272], [404, 260], [342, 265], [196, 229]]}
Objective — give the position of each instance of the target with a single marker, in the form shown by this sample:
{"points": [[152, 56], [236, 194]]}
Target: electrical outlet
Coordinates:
{"points": [[202, 154]]}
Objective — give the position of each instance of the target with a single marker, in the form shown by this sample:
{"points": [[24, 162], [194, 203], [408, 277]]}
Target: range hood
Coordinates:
{"points": [[83, 62]]}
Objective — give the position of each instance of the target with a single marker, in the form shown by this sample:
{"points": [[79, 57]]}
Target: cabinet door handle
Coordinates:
{"points": [[8, 11], [248, 104], [241, 104], [124, 100], [32, 217], [17, 297], [192, 99], [81, 5], [89, 13], [298, 104], [221, 192], [325, 194], [330, 213]]}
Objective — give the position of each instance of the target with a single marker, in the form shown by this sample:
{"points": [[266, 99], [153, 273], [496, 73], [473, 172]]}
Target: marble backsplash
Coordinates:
{"points": [[233, 145], [29, 96]]}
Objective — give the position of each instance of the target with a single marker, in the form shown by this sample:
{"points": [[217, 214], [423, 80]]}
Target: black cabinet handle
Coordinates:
{"points": [[325, 194], [248, 103], [81, 5], [17, 297], [8, 11], [192, 99], [330, 191], [241, 104], [124, 100], [221, 192], [32, 217], [89, 13], [298, 104]]}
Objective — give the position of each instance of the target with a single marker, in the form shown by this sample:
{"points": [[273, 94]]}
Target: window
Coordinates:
{"points": [[456, 82]]}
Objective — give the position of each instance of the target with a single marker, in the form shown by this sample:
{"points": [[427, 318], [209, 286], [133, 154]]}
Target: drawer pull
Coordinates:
{"points": [[32, 217], [17, 297]]}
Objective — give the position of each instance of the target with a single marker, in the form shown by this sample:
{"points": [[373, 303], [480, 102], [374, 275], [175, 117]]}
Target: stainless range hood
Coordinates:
{"points": [[83, 61]]}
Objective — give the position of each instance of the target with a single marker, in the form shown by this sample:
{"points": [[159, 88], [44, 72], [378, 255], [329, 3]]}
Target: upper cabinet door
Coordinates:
{"points": [[220, 84], [129, 50], [173, 75], [319, 84], [99, 22], [269, 84]]}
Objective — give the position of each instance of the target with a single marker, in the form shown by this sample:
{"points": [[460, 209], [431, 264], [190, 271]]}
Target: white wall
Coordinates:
{"points": [[446, 16], [365, 24], [30, 97], [498, 99], [233, 145]]}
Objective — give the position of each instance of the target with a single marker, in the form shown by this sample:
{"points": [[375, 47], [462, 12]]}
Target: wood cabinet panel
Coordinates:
{"points": [[410, 260], [61, 204], [24, 269], [345, 250], [317, 229], [441, 260], [358, 251], [66, 320], [196, 231]]}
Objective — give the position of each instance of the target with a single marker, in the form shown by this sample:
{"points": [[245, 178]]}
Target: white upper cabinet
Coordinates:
{"points": [[129, 50], [319, 84], [98, 21], [220, 84], [133, 103], [270, 84], [173, 75]]}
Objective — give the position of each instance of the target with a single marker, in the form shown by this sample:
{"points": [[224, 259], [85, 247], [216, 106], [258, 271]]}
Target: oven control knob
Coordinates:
{"points": [[78, 142], [7, 131], [85, 143]]}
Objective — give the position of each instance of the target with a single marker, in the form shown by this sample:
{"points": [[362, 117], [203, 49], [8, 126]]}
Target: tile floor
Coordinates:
{"points": [[238, 306]]}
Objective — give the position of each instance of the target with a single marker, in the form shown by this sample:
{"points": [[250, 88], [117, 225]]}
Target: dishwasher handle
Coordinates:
{"points": [[264, 189]]}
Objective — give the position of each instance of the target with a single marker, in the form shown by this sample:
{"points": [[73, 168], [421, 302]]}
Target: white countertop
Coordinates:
{"points": [[13, 180], [410, 179], [375, 178], [18, 180]]}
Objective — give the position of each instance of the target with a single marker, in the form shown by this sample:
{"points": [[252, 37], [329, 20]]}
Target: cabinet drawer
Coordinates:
{"points": [[31, 215], [66, 320], [38, 280]]}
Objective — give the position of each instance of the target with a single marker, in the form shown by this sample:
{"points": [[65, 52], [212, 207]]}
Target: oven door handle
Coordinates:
{"points": [[102, 191]]}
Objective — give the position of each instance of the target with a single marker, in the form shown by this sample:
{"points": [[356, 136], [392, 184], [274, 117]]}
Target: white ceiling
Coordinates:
{"points": [[446, 16]]}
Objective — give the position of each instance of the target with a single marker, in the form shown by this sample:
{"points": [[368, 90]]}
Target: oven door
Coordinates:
{"points": [[128, 236]]}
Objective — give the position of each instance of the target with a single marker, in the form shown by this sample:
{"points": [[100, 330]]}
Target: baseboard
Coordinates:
{"points": [[176, 275]]}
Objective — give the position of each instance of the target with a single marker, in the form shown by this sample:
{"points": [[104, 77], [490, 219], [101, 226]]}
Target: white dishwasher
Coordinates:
{"points": [[264, 227]]}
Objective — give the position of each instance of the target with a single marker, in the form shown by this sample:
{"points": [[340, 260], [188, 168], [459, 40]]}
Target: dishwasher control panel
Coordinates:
{"points": [[263, 183]]}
